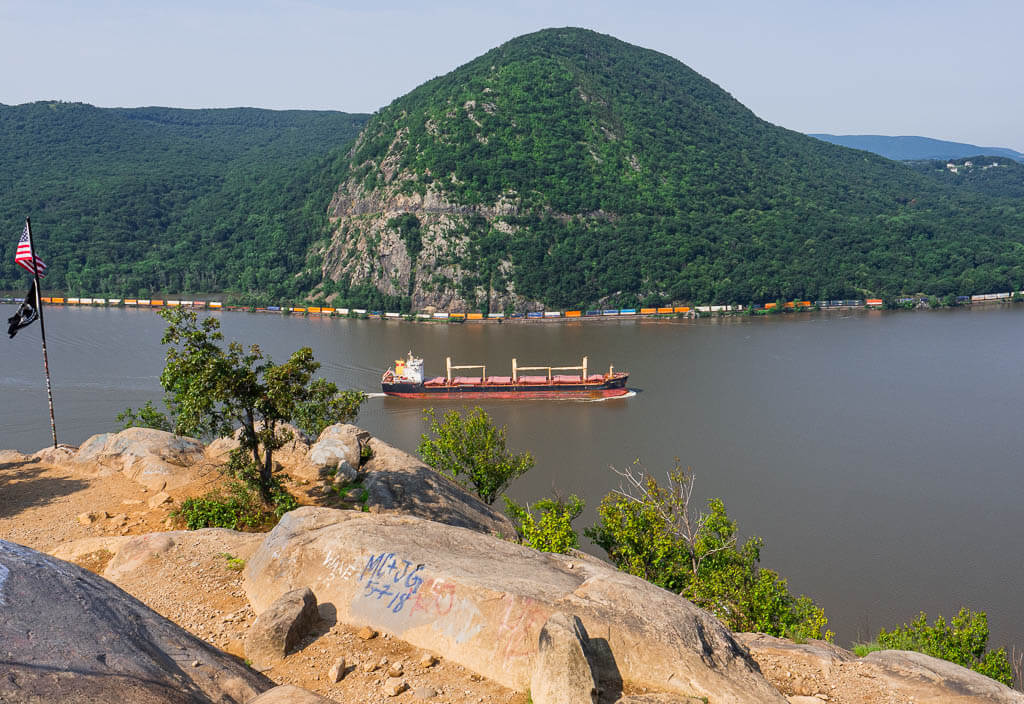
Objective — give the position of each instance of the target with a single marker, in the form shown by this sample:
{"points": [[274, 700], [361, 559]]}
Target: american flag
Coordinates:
{"points": [[23, 257]]}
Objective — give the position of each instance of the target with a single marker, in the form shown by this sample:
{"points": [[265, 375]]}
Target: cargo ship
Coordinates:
{"points": [[406, 380]]}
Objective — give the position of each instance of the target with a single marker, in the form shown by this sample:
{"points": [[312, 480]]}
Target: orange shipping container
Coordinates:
{"points": [[648, 311], [155, 302], [475, 316], [681, 309], [769, 306], [572, 314], [790, 304], [874, 302], [804, 304], [664, 310]]}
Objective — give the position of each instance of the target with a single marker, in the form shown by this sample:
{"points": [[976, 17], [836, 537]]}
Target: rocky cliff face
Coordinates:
{"points": [[409, 240]]}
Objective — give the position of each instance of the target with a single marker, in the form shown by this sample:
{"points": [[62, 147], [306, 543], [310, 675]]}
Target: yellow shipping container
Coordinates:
{"points": [[56, 300], [155, 302], [475, 316]]}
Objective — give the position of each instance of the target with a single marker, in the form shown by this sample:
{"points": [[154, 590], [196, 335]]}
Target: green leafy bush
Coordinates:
{"points": [[238, 509], [552, 531], [650, 531], [147, 417], [471, 450], [964, 641]]}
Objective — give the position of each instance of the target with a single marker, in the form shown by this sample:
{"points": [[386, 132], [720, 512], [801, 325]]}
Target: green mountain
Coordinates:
{"points": [[567, 168], [915, 148], [130, 201]]}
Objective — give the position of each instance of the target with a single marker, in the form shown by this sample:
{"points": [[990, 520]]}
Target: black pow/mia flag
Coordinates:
{"points": [[25, 314]]}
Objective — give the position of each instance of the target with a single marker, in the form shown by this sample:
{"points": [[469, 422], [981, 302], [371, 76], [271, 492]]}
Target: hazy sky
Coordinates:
{"points": [[938, 68]]}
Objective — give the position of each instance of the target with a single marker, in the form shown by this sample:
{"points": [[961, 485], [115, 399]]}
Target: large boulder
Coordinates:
{"points": [[69, 636], [338, 450], [397, 482], [927, 680], [280, 628], [481, 602], [154, 458]]}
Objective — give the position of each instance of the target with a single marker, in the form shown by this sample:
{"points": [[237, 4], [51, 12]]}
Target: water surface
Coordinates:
{"points": [[878, 454]]}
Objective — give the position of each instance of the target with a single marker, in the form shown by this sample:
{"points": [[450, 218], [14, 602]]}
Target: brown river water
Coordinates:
{"points": [[879, 455]]}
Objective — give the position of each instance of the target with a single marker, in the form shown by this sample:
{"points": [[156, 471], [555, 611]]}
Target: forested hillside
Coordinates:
{"points": [[130, 201], [569, 168]]}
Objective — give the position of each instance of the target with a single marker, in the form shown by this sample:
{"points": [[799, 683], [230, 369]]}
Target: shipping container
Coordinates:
{"points": [[495, 315], [475, 316], [552, 314], [535, 314], [681, 309], [215, 304], [610, 312], [359, 311], [592, 313], [156, 302], [441, 316], [573, 314], [627, 311]]}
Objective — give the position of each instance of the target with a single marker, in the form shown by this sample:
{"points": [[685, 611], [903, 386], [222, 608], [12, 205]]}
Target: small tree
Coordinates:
{"points": [[471, 447], [212, 389], [552, 530], [964, 641], [650, 530]]}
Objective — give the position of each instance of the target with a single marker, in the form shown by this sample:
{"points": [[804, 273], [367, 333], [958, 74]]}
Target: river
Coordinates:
{"points": [[878, 454]]}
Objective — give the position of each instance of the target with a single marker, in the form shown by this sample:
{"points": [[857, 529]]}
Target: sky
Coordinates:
{"points": [[936, 68]]}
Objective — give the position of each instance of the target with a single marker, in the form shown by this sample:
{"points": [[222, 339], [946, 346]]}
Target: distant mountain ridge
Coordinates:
{"points": [[913, 148]]}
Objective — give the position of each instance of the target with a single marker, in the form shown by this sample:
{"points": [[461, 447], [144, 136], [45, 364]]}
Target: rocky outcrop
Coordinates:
{"points": [[154, 458], [927, 680], [70, 636], [397, 482], [815, 669], [481, 602]]}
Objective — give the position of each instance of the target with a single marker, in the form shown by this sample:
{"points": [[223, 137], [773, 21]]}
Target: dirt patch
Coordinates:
{"points": [[197, 582]]}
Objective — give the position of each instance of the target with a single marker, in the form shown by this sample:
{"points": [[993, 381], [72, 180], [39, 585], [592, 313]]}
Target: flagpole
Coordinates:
{"points": [[42, 328]]}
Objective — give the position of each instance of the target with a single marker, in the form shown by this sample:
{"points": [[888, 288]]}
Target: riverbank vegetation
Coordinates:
{"points": [[964, 641]]}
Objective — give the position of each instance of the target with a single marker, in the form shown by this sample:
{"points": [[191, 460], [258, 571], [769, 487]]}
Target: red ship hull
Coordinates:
{"points": [[608, 388]]}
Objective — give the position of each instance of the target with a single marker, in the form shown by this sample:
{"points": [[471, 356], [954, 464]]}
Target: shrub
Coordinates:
{"points": [[552, 531], [964, 641], [238, 509], [471, 450], [650, 531], [147, 417]]}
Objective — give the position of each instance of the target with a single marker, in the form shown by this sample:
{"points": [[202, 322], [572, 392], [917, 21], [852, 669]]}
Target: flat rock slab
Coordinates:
{"points": [[67, 635], [481, 602]]}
